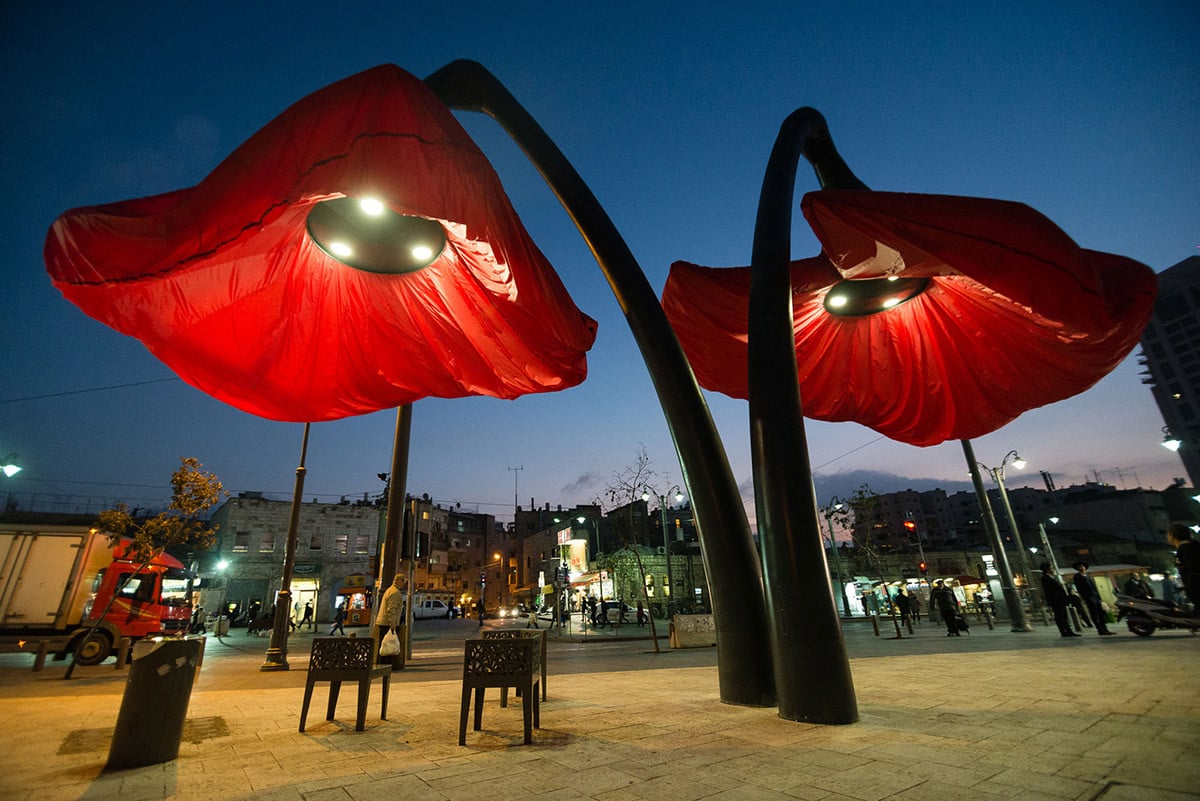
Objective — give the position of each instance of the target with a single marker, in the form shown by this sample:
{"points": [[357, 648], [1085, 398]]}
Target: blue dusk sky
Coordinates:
{"points": [[1086, 111]]}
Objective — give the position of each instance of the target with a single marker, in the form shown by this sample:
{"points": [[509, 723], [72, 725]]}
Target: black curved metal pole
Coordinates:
{"points": [[277, 650], [725, 540], [812, 670]]}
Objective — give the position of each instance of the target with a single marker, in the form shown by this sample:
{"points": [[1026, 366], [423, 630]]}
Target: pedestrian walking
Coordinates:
{"points": [[641, 614], [1086, 586], [904, 604], [339, 620], [947, 605], [1056, 596], [914, 603], [308, 615]]}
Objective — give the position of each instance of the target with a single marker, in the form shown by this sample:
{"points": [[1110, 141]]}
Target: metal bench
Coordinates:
{"points": [[533, 634], [501, 663], [338, 659]]}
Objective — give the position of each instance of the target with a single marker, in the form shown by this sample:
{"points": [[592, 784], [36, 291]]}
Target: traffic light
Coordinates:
{"points": [[923, 567], [910, 526]]}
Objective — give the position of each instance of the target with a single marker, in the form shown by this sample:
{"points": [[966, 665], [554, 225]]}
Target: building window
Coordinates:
{"points": [[314, 541], [267, 543], [361, 543], [241, 542], [340, 542]]}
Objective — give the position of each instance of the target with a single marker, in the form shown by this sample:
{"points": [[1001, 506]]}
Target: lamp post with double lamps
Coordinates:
{"points": [[835, 505], [1011, 598], [998, 477], [662, 515]]}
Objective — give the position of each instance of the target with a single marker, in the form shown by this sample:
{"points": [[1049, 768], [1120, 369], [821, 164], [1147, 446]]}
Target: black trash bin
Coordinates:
{"points": [[154, 707]]}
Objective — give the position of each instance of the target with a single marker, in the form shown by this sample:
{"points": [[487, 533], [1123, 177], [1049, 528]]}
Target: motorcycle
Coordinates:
{"points": [[1144, 616]]}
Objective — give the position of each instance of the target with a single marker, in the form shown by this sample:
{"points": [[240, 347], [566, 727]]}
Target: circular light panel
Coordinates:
{"points": [[872, 295], [366, 235]]}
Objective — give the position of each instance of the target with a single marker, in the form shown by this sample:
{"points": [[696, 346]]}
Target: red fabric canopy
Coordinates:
{"points": [[1015, 316], [222, 282]]}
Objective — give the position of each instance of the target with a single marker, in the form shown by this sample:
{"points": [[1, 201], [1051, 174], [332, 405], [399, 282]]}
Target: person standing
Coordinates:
{"points": [[390, 617], [1086, 587], [1080, 607], [1187, 560], [641, 614], [1056, 597]]}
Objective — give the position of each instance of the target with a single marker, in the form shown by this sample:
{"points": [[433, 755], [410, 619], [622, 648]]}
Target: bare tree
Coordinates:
{"points": [[624, 491], [869, 524]]}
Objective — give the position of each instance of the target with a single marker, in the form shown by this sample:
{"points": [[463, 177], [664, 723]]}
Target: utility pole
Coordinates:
{"points": [[515, 471]]}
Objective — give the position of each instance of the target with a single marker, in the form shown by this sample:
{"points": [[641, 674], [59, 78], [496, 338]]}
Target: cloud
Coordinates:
{"points": [[581, 485], [843, 484]]}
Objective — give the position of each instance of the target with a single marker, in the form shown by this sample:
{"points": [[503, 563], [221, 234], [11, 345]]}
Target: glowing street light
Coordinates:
{"points": [[1170, 441], [10, 467], [1012, 597], [662, 516]]}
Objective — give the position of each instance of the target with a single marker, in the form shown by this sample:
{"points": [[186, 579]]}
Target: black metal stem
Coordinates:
{"points": [[726, 543], [812, 670], [389, 559], [277, 650]]}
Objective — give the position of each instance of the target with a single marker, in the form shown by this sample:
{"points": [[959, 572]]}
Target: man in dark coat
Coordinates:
{"points": [[1056, 596], [1137, 587], [947, 606], [1086, 586]]}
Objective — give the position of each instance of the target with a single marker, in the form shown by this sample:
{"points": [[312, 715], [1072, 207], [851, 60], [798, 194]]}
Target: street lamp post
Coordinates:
{"points": [[276, 658], [1011, 599], [998, 476], [662, 515], [836, 504]]}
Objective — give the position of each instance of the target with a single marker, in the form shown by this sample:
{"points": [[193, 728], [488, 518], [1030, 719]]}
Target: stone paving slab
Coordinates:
{"points": [[1046, 723]]}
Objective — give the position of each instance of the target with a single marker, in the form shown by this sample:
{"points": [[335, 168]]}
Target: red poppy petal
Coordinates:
{"points": [[222, 282], [956, 362]]}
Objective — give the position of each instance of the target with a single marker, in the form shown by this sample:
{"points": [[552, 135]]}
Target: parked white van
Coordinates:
{"points": [[430, 607]]}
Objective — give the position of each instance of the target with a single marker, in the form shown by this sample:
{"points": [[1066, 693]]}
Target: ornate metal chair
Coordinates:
{"points": [[338, 659], [534, 634], [501, 663]]}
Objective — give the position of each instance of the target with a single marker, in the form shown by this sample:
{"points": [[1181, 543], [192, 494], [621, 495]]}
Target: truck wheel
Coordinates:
{"points": [[94, 650], [1141, 629]]}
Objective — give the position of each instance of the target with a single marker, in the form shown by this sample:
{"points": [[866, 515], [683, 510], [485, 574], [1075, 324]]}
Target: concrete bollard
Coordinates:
{"points": [[987, 616], [875, 623], [154, 707], [39, 661], [122, 652]]}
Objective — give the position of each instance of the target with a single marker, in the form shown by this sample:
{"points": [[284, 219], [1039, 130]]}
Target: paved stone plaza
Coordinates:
{"points": [[992, 716]]}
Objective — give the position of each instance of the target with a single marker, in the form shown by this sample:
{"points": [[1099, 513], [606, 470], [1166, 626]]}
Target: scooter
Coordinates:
{"points": [[1145, 615]]}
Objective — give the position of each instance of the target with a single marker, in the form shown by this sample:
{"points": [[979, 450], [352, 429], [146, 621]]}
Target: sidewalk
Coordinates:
{"points": [[1115, 719]]}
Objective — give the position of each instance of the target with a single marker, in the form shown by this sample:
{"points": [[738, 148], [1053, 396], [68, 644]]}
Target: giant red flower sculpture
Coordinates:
{"points": [[927, 317], [356, 253]]}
